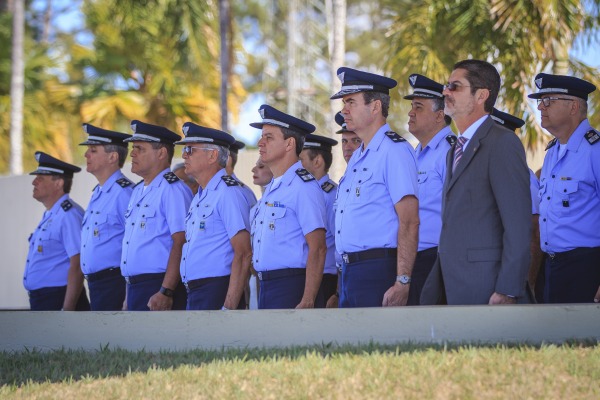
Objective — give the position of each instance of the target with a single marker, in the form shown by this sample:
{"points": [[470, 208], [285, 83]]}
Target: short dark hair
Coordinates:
{"points": [[67, 182], [438, 104], [289, 132], [120, 150], [384, 98], [482, 74], [170, 149], [326, 154], [234, 158]]}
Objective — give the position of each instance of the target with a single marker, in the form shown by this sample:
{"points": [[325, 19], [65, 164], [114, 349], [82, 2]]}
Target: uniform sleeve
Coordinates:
{"points": [[234, 211], [310, 207], [534, 187], [176, 203], [70, 231], [400, 172]]}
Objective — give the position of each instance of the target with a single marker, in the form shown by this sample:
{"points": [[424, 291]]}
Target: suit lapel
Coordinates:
{"points": [[469, 153]]}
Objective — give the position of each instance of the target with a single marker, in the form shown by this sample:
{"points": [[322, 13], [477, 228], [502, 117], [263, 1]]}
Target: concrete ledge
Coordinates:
{"points": [[184, 330]]}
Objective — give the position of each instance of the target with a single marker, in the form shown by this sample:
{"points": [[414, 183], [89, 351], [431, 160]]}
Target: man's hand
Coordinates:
{"points": [[333, 302], [597, 296], [396, 296], [160, 302], [305, 304], [498, 298]]}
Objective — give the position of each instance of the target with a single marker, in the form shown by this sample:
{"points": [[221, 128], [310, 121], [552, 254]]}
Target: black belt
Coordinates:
{"points": [[132, 280], [105, 273], [194, 283], [370, 254], [280, 273], [574, 252]]}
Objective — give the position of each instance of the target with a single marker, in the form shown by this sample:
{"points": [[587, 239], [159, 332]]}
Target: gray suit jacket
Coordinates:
{"points": [[486, 222]]}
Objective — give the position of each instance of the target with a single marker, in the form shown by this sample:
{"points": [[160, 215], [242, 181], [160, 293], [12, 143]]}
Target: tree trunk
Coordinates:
{"points": [[17, 89], [225, 27]]}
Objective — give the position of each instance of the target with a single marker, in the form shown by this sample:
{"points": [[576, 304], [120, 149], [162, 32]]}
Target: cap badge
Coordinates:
{"points": [[538, 83], [412, 79]]}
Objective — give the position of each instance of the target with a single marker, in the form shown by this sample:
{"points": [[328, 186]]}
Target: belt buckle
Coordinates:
{"points": [[186, 286], [259, 275], [87, 277], [346, 258], [127, 280], [552, 255]]}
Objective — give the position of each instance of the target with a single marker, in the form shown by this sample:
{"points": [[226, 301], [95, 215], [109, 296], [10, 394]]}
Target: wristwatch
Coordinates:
{"points": [[167, 292], [403, 279]]}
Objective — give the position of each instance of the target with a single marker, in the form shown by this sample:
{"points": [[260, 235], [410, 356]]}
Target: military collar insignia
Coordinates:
{"points": [[304, 175], [395, 137], [451, 139], [551, 143]]}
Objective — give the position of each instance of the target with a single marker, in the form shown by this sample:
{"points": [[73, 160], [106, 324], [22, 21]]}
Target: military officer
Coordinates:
{"points": [[288, 228], [377, 215], [569, 191], [350, 140], [104, 220], [52, 275], [428, 123], [217, 253], [231, 163], [316, 158], [154, 223]]}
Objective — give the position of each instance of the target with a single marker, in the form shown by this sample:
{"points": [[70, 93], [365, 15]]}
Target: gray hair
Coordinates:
{"points": [[223, 153], [120, 150]]}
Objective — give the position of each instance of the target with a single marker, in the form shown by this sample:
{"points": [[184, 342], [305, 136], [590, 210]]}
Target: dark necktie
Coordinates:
{"points": [[458, 151]]}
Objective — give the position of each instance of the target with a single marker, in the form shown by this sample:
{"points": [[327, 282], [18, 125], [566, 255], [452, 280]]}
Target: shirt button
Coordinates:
{"points": [[273, 214], [548, 198], [553, 176], [354, 170], [565, 190], [342, 211], [339, 231], [544, 219], [545, 242], [347, 190]]}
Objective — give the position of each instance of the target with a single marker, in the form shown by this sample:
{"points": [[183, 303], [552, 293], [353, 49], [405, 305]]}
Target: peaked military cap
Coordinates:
{"points": [[272, 116], [200, 134], [424, 87], [507, 120], [561, 84], [355, 81], [143, 132], [339, 119], [102, 136], [237, 146], [48, 165], [319, 142]]}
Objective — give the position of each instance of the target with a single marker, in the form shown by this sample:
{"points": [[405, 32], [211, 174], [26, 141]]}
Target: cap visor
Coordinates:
{"points": [[257, 125], [343, 93]]}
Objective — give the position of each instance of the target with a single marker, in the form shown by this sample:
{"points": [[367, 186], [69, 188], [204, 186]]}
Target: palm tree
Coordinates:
{"points": [[521, 37]]}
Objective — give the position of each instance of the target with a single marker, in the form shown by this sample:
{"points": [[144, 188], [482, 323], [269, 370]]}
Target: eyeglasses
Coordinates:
{"points": [[547, 100], [453, 87], [190, 149]]}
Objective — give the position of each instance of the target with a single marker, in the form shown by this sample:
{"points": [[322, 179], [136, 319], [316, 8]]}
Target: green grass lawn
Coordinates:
{"points": [[367, 372]]}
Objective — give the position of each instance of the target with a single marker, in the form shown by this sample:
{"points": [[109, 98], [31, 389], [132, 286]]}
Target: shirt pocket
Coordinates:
{"points": [[147, 221], [98, 224], [363, 187], [206, 219], [567, 195], [275, 218], [47, 242]]}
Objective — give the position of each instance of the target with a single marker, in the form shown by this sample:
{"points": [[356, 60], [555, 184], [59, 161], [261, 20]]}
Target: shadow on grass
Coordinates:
{"points": [[35, 366]]}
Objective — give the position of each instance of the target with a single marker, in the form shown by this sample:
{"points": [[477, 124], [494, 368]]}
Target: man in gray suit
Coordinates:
{"points": [[483, 254]]}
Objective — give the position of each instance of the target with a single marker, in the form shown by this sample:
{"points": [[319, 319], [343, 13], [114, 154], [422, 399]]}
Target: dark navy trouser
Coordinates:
{"points": [[139, 293], [107, 293], [209, 294], [572, 276], [53, 298], [365, 282], [281, 292], [423, 265], [326, 290]]}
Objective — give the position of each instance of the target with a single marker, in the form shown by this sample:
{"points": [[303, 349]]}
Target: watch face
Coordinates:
{"points": [[403, 279]]}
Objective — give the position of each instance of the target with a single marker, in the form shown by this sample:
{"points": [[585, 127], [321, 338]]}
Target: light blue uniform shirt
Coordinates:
{"points": [[431, 173], [152, 216], [534, 186], [570, 194], [215, 216], [248, 193], [290, 209], [329, 189], [56, 239], [375, 180], [104, 224]]}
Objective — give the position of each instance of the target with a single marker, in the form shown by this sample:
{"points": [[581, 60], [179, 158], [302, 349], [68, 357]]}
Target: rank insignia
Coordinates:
{"points": [[230, 180], [304, 175], [592, 136], [170, 177], [124, 182], [327, 186], [66, 205], [395, 137]]}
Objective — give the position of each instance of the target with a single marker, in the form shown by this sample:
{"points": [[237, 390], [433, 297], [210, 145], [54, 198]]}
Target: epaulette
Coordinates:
{"points": [[304, 175], [451, 139], [327, 186], [551, 143], [230, 180], [171, 177], [124, 182], [395, 137], [592, 136], [66, 205]]}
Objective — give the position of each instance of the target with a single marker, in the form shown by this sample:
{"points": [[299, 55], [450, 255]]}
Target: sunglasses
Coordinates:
{"points": [[453, 87], [190, 149]]}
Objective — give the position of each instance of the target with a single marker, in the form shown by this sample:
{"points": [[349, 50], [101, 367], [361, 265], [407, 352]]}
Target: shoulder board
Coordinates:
{"points": [[395, 137], [230, 180], [592, 136], [66, 205], [551, 143], [170, 177], [327, 186], [142, 181], [451, 139], [304, 175], [124, 182]]}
